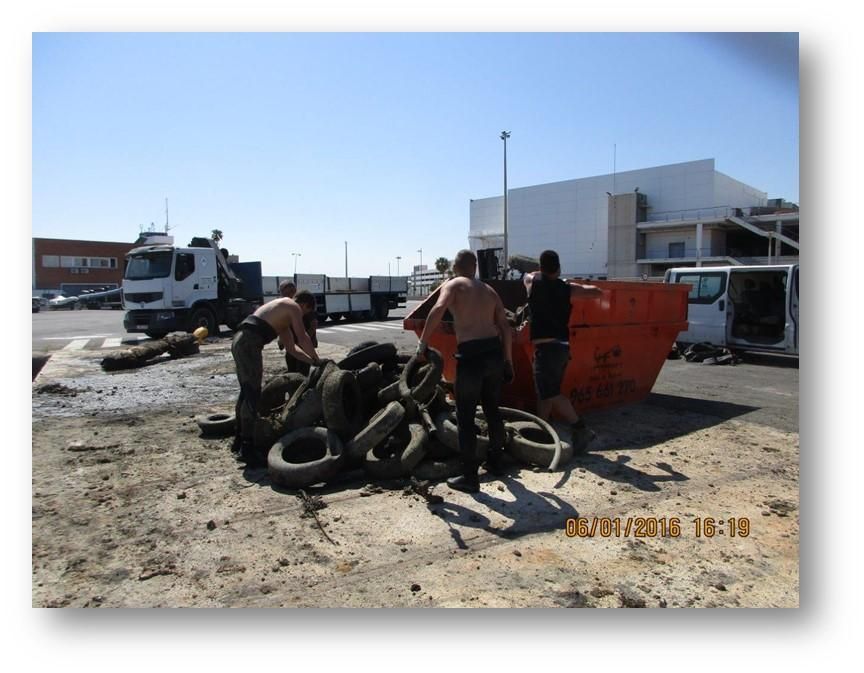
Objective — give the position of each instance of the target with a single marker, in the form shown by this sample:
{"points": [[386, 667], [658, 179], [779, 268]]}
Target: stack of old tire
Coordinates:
{"points": [[377, 410]]}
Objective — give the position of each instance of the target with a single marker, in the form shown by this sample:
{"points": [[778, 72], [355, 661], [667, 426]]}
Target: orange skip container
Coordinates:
{"points": [[618, 342]]}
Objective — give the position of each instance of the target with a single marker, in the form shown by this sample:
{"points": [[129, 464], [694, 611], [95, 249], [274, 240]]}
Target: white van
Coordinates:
{"points": [[751, 308]]}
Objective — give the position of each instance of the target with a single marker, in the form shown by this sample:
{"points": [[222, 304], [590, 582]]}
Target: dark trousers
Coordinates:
{"points": [[479, 378], [246, 349]]}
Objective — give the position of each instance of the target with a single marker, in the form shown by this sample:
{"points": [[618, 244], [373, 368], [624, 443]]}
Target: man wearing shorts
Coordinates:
{"points": [[484, 363], [549, 302], [282, 318]]}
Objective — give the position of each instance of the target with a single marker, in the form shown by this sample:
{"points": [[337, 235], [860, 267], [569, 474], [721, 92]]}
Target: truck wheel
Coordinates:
{"points": [[381, 309], [155, 335], [203, 317]]}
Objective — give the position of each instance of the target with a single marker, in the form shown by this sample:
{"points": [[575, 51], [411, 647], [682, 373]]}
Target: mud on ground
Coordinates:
{"points": [[131, 507]]}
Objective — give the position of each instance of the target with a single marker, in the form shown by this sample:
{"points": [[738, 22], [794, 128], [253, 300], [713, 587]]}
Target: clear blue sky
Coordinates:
{"points": [[298, 142]]}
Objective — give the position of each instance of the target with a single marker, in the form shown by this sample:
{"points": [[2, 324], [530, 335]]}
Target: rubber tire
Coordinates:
{"points": [[437, 450], [523, 444], [362, 345], [341, 404], [424, 391], [389, 393], [156, 335], [300, 475], [217, 425], [203, 317], [378, 353], [277, 391], [383, 467], [302, 410], [379, 427], [438, 470], [447, 432], [417, 447], [369, 378]]}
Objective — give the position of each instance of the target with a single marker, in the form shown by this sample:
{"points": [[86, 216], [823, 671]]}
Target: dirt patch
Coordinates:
{"points": [[133, 507]]}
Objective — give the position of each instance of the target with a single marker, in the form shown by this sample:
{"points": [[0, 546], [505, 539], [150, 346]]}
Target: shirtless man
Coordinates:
{"points": [[287, 288], [280, 317], [484, 363]]}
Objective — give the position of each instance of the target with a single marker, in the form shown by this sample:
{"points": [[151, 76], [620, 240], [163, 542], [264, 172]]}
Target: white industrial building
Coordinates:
{"points": [[640, 222]]}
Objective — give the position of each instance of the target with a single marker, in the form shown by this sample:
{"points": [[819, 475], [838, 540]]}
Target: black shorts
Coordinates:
{"points": [[550, 362]]}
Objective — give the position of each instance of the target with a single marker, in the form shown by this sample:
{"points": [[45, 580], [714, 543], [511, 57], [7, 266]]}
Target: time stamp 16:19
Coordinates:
{"points": [[650, 526]]}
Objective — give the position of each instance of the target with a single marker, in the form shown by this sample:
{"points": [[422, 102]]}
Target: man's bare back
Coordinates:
{"points": [[285, 316], [473, 305]]}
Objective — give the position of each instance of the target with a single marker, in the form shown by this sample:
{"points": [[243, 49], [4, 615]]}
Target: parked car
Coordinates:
{"points": [[60, 302], [36, 304]]}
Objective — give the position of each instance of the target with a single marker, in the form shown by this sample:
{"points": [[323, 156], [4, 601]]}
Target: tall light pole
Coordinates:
{"points": [[346, 259], [398, 257], [295, 255], [504, 136], [421, 271]]}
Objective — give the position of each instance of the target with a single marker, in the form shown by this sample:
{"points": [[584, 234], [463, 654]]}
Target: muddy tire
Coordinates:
{"points": [[304, 409], [383, 462], [341, 404], [416, 449], [217, 425], [447, 432], [369, 378], [304, 457], [438, 470], [437, 450], [423, 391], [378, 353], [389, 393], [277, 391], [362, 345], [531, 444], [379, 427]]}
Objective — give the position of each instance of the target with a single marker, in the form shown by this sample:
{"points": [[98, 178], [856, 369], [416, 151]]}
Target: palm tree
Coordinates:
{"points": [[216, 235], [442, 265]]}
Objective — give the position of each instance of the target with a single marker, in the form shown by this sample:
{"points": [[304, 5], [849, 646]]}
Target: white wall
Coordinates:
{"points": [[571, 216], [735, 194]]}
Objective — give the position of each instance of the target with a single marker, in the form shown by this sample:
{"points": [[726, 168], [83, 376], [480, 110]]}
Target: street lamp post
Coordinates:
{"points": [[295, 255], [421, 271], [398, 257], [504, 136]]}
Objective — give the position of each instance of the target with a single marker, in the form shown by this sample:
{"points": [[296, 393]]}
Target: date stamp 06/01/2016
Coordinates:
{"points": [[649, 526]]}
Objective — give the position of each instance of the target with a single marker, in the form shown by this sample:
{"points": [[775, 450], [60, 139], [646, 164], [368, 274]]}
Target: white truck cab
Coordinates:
{"points": [[745, 307], [167, 288]]}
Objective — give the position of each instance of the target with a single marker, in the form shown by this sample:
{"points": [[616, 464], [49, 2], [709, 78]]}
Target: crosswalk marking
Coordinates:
{"points": [[341, 329], [388, 326], [76, 345], [367, 327], [114, 342]]}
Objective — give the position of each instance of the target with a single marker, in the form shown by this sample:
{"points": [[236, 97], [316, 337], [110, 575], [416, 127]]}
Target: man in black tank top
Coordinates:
{"points": [[549, 301]]}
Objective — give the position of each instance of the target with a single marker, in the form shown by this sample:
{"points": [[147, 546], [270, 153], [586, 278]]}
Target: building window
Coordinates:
{"points": [[676, 249], [50, 261]]}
